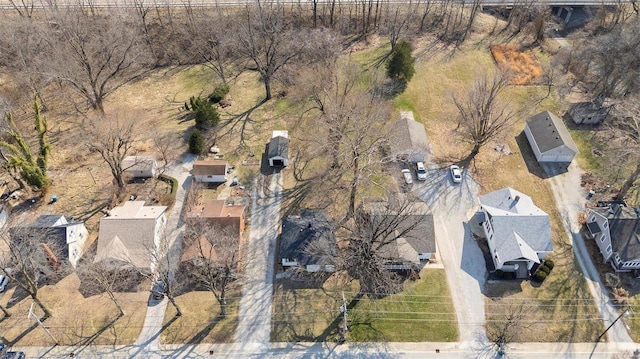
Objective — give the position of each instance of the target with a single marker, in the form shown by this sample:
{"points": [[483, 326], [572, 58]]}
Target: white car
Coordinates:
{"points": [[408, 179], [422, 172], [4, 282], [456, 174]]}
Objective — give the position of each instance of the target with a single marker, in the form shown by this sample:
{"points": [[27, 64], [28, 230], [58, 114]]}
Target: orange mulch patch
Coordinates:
{"points": [[525, 67]]}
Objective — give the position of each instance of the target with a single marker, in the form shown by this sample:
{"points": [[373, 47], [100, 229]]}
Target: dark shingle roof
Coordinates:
{"points": [[299, 233], [550, 132], [624, 227], [279, 147]]}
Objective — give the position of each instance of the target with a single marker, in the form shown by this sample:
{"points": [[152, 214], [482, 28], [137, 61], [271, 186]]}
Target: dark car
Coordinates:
{"points": [[13, 355], [158, 290]]}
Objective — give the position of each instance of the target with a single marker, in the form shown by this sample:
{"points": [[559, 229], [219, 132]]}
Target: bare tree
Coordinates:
{"points": [[214, 258], [106, 279], [483, 114], [624, 142], [506, 326], [114, 138]]}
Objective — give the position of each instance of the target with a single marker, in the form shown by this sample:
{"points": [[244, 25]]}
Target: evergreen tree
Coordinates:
{"points": [[196, 142], [401, 64]]}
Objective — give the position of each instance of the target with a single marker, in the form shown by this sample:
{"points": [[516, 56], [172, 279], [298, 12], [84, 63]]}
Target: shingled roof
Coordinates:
{"points": [[549, 132]]}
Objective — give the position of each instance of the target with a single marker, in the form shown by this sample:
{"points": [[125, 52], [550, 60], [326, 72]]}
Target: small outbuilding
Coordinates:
{"points": [[140, 166], [409, 139], [549, 138], [589, 113], [278, 154], [210, 171]]}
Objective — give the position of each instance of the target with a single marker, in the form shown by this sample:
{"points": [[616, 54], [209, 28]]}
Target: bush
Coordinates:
{"points": [[545, 269], [219, 93], [171, 181], [549, 263], [539, 276], [401, 64], [205, 114], [196, 142]]}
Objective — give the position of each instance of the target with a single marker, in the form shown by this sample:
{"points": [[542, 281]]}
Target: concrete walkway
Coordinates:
{"points": [[254, 326]]}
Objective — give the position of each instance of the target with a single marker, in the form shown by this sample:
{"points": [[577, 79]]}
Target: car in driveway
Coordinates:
{"points": [[456, 173], [4, 282], [12, 355], [158, 290], [408, 178], [422, 171]]}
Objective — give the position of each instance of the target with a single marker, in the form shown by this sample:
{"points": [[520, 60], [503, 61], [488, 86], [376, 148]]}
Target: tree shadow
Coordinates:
{"points": [[202, 334], [85, 342], [242, 119]]}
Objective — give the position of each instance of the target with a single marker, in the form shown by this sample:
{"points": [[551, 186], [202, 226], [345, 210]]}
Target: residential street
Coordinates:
{"points": [[453, 206], [571, 199], [254, 326]]}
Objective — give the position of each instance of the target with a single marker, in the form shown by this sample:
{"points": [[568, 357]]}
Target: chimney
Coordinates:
{"points": [[228, 214], [516, 199]]}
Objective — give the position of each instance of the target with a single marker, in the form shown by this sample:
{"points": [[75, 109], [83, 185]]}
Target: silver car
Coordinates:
{"points": [[456, 174], [408, 179]]}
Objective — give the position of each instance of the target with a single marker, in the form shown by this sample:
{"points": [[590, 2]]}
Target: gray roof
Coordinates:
{"points": [[408, 135], [624, 227], [549, 132], [279, 147], [308, 238], [520, 228]]}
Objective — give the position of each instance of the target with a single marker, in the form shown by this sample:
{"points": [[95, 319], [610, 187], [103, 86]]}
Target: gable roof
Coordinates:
{"points": [[138, 163], [520, 228], [549, 132], [300, 233], [624, 228], [209, 168], [408, 135], [413, 234], [127, 233], [278, 147], [199, 249]]}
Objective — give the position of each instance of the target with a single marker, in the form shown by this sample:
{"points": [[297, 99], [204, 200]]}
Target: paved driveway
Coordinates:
{"points": [[453, 205]]}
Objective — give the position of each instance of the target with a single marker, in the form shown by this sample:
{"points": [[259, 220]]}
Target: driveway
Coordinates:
{"points": [[571, 199], [254, 322], [453, 205]]}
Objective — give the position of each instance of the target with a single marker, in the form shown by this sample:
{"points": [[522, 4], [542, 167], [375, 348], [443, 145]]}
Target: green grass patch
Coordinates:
{"points": [[373, 57], [586, 158], [402, 104], [634, 318]]}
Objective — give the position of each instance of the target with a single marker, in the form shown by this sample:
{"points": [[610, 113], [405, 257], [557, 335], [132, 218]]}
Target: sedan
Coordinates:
{"points": [[456, 174], [408, 179]]}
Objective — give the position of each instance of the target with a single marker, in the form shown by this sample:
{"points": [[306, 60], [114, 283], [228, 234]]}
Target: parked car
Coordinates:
{"points": [[158, 290], [408, 179], [4, 282], [456, 174], [422, 172], [12, 355]]}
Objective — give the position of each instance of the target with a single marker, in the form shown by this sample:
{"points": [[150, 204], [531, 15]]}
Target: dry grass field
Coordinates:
{"points": [[523, 64]]}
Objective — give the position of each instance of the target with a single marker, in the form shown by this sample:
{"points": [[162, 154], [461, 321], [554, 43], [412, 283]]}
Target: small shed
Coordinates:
{"points": [[278, 154], [140, 166], [409, 139], [589, 113], [549, 138], [210, 171]]}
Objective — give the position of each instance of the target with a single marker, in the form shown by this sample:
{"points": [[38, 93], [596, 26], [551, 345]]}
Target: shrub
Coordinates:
{"points": [[171, 181], [219, 93], [205, 114], [539, 276], [544, 268], [401, 63], [549, 263], [196, 142]]}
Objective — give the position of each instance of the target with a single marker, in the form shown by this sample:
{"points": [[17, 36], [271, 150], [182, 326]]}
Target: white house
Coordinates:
{"points": [[278, 154], [210, 171], [518, 232], [131, 234], [549, 138], [409, 139], [616, 231], [140, 166]]}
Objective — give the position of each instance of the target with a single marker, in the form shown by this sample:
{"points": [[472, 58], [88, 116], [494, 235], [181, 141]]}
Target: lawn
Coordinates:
{"points": [[422, 312]]}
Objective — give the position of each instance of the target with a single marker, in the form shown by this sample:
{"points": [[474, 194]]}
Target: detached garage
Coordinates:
{"points": [[549, 138], [279, 149]]}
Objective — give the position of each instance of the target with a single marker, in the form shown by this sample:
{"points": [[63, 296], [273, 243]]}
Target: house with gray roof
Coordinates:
{"points": [[549, 138], [517, 231], [130, 235], [616, 231], [278, 154], [308, 242], [408, 139], [140, 166], [407, 239]]}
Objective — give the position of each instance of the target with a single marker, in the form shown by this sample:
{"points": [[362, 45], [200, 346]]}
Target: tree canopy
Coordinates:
{"points": [[401, 64]]}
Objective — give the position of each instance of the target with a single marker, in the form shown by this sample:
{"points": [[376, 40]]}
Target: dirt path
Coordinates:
{"points": [[570, 199], [254, 326], [453, 205]]}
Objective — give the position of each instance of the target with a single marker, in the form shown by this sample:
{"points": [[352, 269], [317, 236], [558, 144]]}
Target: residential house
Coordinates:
{"points": [[201, 249], [518, 232], [59, 234], [131, 234], [308, 242], [549, 138], [140, 166], [408, 238], [616, 231], [210, 171], [408, 140], [278, 153], [221, 214], [589, 113]]}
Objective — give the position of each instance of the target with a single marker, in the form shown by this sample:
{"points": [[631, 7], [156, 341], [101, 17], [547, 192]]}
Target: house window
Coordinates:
{"points": [[608, 250], [602, 238], [605, 225], [593, 218]]}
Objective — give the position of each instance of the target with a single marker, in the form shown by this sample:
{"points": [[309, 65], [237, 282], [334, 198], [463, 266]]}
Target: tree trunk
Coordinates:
{"points": [[175, 305], [315, 13], [626, 186], [46, 311], [267, 88], [472, 155]]}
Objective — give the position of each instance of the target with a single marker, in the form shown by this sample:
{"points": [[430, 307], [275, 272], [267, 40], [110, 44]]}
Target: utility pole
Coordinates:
{"points": [[343, 310], [37, 319], [606, 330]]}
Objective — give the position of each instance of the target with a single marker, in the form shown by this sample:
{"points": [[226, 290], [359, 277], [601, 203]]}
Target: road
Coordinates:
{"points": [[149, 339], [453, 205], [570, 198], [254, 326]]}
